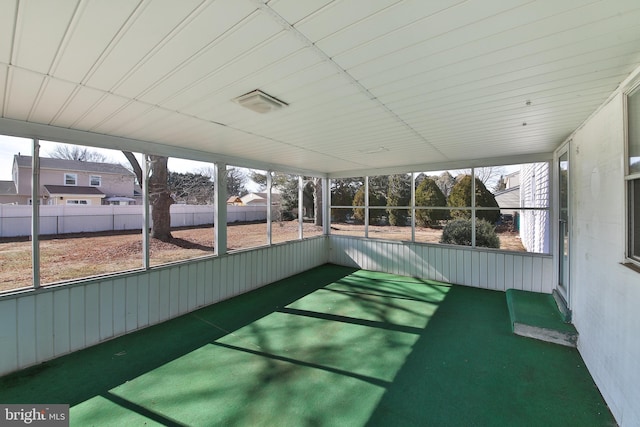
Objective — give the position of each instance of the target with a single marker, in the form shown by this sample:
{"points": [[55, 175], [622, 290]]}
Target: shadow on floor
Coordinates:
{"points": [[93, 371]]}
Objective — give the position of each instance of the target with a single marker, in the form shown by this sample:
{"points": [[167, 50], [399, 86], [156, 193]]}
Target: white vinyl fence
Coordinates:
{"points": [[15, 220]]}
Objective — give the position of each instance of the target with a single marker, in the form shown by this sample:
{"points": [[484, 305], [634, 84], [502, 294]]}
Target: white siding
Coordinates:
{"points": [[480, 268], [535, 193], [36, 326], [604, 294]]}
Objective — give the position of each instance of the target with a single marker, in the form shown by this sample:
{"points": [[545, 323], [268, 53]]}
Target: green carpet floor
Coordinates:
{"points": [[330, 347]]}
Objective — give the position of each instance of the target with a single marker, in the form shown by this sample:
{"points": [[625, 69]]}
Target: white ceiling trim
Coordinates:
{"points": [[441, 166], [21, 129]]}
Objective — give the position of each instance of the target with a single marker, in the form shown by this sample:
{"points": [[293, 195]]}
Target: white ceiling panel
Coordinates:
{"points": [[106, 107], [339, 15], [228, 49], [326, 96], [371, 84], [7, 21], [88, 41], [522, 112], [226, 71], [523, 82], [116, 122], [496, 34], [455, 23], [52, 98], [569, 45], [295, 10], [395, 17], [145, 123], [141, 35], [218, 106], [185, 44], [23, 88], [524, 91], [465, 137], [40, 31], [515, 123], [229, 84], [82, 100], [4, 70], [301, 77], [175, 129], [461, 106]]}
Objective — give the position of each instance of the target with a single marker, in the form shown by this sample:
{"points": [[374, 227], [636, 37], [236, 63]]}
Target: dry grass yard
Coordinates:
{"points": [[77, 256]]}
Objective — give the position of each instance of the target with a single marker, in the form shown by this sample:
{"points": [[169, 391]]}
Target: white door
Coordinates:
{"points": [[563, 224]]}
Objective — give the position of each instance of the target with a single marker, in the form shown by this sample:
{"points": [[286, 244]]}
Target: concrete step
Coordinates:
{"points": [[536, 315]]}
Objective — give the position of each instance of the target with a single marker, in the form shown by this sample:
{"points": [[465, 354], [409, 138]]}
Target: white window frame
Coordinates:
{"points": [[473, 208], [77, 202], [97, 178], [69, 175], [631, 180]]}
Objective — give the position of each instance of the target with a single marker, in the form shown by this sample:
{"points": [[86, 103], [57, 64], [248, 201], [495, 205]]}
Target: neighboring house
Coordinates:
{"points": [[8, 193], [234, 201], [509, 197], [70, 182], [534, 193], [260, 199], [528, 188], [256, 199]]}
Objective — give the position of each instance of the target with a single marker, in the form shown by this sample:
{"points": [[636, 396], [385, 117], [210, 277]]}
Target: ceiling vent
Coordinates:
{"points": [[260, 102], [374, 150]]}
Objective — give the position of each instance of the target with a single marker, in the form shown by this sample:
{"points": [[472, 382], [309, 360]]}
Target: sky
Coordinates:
{"points": [[9, 146]]}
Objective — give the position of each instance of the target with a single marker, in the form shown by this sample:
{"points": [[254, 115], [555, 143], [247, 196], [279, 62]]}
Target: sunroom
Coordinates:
{"points": [[326, 203]]}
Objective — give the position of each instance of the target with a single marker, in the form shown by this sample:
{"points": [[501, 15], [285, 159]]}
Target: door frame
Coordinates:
{"points": [[564, 292]]}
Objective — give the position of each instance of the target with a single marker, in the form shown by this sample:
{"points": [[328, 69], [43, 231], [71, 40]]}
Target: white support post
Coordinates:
{"points": [[269, 205], [326, 207], [146, 241], [300, 206], [35, 213], [413, 207], [366, 206], [473, 207], [220, 209]]}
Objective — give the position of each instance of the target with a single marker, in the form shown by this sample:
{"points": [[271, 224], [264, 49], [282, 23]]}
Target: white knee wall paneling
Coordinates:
{"points": [[39, 325]]}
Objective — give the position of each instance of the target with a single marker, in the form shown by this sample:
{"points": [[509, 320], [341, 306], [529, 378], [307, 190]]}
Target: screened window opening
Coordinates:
{"points": [[633, 176], [499, 207]]}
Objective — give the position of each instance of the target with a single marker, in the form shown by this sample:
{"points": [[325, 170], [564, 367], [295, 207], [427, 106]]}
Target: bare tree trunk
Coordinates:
{"points": [[317, 201], [134, 165], [160, 198]]}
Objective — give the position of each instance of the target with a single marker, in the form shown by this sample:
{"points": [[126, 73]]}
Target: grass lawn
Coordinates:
{"points": [[79, 256]]}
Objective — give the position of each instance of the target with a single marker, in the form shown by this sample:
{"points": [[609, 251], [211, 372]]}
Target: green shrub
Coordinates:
{"points": [[461, 197], [458, 232], [375, 215], [398, 194], [342, 193], [429, 194]]}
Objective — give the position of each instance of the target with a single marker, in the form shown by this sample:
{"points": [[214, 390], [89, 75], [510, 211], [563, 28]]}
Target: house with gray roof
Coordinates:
{"points": [[70, 182], [8, 192]]}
